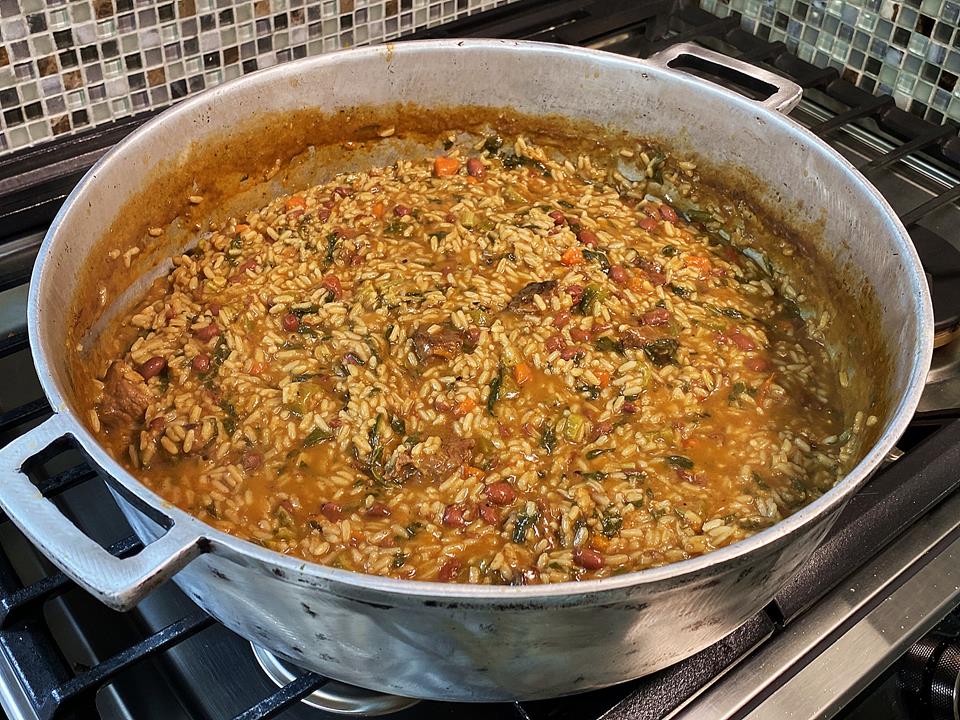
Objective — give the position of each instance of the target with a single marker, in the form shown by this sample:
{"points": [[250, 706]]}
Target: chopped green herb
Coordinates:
{"points": [[332, 240], [610, 525], [495, 386], [732, 313], [523, 523], [595, 475], [591, 293], [608, 344], [669, 250], [397, 424], [493, 143], [597, 453], [591, 391], [598, 257], [308, 310], [662, 352], [679, 461], [548, 439], [399, 560], [680, 291], [316, 437]]}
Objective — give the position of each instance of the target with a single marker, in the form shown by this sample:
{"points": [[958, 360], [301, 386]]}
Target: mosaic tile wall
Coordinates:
{"points": [[909, 49], [66, 65]]}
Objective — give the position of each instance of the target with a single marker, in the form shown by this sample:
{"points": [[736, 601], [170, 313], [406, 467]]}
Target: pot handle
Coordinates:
{"points": [[118, 583], [786, 93]]}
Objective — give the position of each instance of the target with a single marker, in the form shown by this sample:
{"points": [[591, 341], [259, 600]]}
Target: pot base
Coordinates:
{"points": [[333, 696]]}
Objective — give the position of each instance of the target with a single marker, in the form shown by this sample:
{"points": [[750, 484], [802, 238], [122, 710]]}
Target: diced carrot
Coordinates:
{"points": [[572, 256], [600, 542], [242, 227], [472, 473], [471, 180], [444, 166], [604, 377], [295, 202], [378, 210], [701, 264], [257, 368], [464, 406], [522, 373]]}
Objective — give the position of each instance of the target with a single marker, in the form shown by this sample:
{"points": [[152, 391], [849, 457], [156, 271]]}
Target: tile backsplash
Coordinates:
{"points": [[908, 49], [67, 65]]}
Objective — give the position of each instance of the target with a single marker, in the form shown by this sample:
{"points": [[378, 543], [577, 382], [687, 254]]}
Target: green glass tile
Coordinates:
{"points": [[824, 42], [888, 75], [38, 130], [912, 64], [906, 83], [867, 21], [835, 7], [931, 7], [953, 110], [805, 52], [907, 18], [918, 44], [809, 35], [953, 62], [922, 91]]}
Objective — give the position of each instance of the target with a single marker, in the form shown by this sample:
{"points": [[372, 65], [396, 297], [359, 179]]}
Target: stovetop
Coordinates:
{"points": [[832, 643]]}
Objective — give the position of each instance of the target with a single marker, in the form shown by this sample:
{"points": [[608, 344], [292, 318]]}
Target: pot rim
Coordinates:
{"points": [[219, 541]]}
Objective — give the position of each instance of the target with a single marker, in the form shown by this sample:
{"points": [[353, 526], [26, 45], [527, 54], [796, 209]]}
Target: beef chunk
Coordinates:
{"points": [[445, 344], [125, 397], [523, 302], [454, 454]]}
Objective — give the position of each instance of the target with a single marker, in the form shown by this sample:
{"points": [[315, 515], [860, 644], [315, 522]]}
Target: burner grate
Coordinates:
{"points": [[879, 138]]}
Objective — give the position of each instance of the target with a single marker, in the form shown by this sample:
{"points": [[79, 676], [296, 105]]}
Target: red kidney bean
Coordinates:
{"points": [[158, 424], [449, 570], [575, 292], [570, 352], [206, 333], [201, 363], [323, 214], [331, 511], [342, 191], [214, 308], [290, 322], [378, 510], [648, 224], [601, 429], [561, 319], [453, 517], [332, 283], [153, 367], [587, 558], [742, 341], [500, 493], [618, 274], [489, 513], [251, 460], [579, 334], [757, 364], [558, 217], [554, 342], [401, 210], [241, 273], [588, 238], [657, 316], [475, 167], [668, 213], [629, 408]]}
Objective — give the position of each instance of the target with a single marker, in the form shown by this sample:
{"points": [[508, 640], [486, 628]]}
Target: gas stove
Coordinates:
{"points": [[870, 628]]}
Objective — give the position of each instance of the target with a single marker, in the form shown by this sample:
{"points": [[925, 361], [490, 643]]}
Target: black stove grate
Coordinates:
{"points": [[33, 184]]}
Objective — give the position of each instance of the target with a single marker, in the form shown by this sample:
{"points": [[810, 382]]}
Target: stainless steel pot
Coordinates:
{"points": [[461, 642]]}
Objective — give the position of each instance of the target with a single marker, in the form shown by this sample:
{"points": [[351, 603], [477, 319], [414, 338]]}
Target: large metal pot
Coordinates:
{"points": [[462, 642]]}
